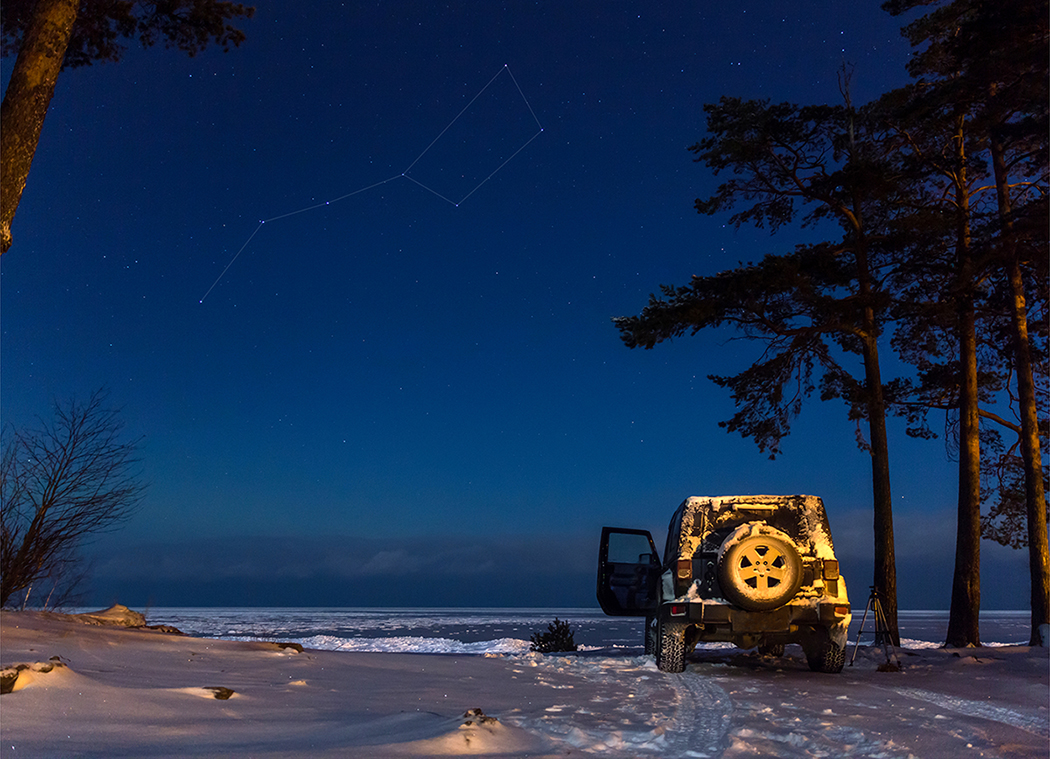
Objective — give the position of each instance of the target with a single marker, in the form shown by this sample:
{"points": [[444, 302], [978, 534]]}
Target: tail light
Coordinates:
{"points": [[684, 570], [831, 569], [678, 610], [841, 611]]}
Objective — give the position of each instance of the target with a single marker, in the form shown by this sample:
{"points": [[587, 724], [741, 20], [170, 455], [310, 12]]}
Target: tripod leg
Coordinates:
{"points": [[887, 642], [883, 626], [860, 629]]}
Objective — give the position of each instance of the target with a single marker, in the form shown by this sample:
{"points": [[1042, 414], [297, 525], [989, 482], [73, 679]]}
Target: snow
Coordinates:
{"points": [[415, 644], [122, 692], [812, 517]]}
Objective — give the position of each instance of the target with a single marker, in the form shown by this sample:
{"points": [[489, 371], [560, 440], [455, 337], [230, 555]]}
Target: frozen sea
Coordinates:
{"points": [[501, 631]]}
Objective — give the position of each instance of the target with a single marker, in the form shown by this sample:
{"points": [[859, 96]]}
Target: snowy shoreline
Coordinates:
{"points": [[125, 692], [501, 630]]}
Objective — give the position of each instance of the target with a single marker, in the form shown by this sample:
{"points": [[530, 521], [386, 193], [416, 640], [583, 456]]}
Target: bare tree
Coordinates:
{"points": [[68, 479]]}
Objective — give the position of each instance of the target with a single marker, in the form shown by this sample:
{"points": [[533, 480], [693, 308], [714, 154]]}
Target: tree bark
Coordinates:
{"points": [[964, 615], [885, 562], [27, 98], [885, 579], [963, 620], [885, 572], [1035, 495]]}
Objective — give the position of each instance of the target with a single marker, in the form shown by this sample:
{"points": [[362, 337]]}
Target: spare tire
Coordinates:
{"points": [[759, 568]]}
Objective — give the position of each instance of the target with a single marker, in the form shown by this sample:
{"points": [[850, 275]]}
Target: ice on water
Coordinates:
{"points": [[497, 631]]}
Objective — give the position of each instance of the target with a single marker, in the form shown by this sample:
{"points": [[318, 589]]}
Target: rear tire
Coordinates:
{"points": [[824, 655], [771, 649], [670, 653]]}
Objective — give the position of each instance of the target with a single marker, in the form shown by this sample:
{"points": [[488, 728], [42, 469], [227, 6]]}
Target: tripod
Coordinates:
{"points": [[882, 633]]}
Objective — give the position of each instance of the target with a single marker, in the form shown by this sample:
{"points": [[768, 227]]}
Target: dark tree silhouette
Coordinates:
{"points": [[982, 94], [820, 163], [940, 190], [68, 479]]}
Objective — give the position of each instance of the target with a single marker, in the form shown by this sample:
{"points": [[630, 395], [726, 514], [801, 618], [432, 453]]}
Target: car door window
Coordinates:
{"points": [[627, 548]]}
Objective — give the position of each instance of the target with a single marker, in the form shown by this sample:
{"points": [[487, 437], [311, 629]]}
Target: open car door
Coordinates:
{"points": [[628, 573]]}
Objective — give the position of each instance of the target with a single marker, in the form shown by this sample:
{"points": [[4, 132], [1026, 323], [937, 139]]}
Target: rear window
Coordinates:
{"points": [[629, 548], [671, 548]]}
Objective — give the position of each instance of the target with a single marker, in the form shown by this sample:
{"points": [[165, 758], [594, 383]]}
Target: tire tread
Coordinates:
{"points": [[670, 654]]}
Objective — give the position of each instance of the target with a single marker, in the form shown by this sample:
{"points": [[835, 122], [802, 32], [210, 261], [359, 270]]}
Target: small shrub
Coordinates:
{"points": [[557, 638]]}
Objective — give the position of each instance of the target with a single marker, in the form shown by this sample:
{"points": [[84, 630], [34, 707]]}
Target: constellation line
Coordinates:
{"points": [[511, 75], [329, 202], [483, 181], [430, 189], [403, 174], [428, 147], [232, 260]]}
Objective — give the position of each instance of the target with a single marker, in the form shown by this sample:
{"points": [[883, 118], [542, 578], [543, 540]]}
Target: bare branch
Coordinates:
{"points": [[71, 477]]}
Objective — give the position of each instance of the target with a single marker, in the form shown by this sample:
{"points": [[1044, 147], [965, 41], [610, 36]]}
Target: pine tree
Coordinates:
{"points": [[982, 87], [820, 164]]}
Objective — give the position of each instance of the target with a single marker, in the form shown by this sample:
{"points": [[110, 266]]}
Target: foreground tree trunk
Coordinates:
{"points": [[1035, 495], [885, 575], [964, 615], [963, 620], [27, 98], [885, 579]]}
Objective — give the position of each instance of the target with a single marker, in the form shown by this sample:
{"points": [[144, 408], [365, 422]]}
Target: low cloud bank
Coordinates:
{"points": [[925, 557], [339, 571], [516, 571]]}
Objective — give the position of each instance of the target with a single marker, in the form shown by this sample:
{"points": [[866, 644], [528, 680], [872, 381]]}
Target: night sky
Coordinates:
{"points": [[395, 400]]}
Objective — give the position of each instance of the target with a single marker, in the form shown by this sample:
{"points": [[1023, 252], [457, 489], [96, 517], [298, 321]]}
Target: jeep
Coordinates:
{"points": [[757, 571]]}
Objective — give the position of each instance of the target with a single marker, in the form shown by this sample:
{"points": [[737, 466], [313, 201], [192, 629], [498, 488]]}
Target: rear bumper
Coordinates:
{"points": [[716, 620]]}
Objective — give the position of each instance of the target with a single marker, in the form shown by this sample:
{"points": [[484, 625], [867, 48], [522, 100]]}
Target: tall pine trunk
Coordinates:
{"points": [[27, 98], [885, 571], [963, 620], [964, 615], [885, 579], [1035, 495]]}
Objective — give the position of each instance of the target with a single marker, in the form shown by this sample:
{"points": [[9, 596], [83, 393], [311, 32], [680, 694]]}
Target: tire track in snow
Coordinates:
{"points": [[701, 718], [655, 714], [1032, 723]]}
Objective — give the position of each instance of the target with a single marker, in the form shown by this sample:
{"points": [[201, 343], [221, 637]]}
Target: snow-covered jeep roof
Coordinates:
{"points": [[802, 517]]}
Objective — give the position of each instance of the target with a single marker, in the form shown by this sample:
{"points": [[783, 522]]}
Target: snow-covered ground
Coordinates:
{"points": [[131, 693]]}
